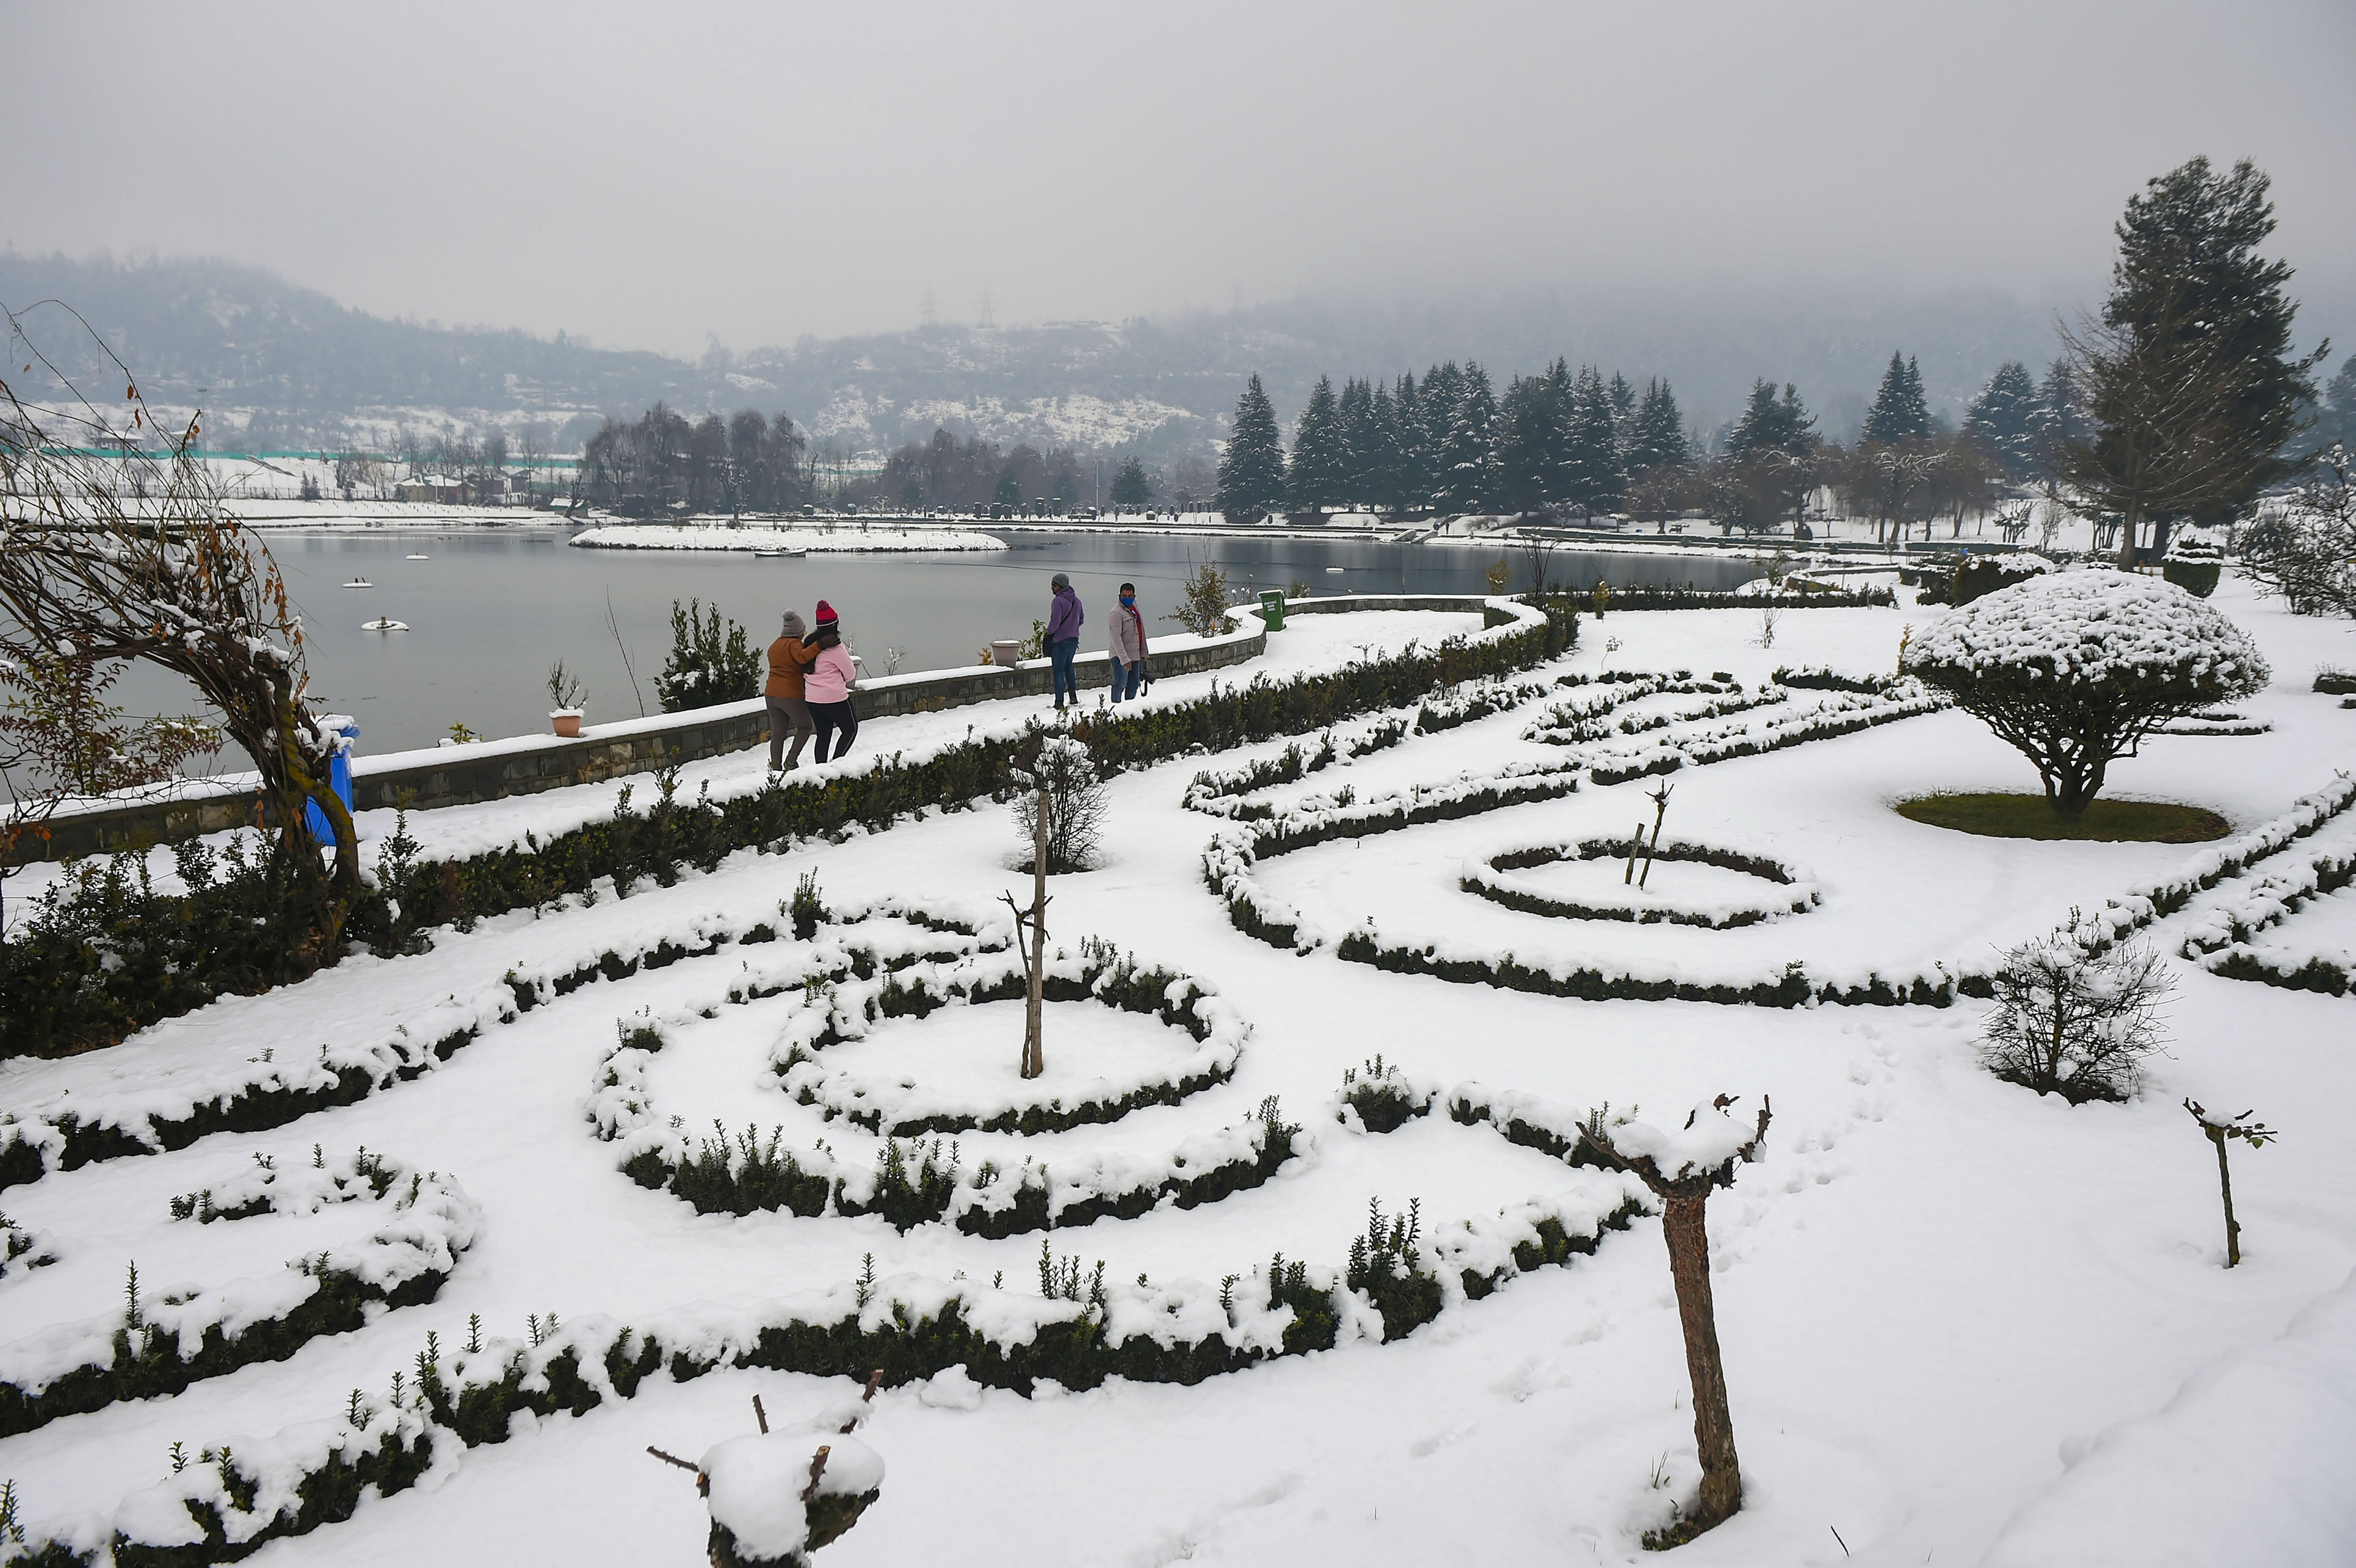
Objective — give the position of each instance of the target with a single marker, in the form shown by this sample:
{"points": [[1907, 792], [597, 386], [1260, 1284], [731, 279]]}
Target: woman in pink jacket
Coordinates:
{"points": [[827, 684]]}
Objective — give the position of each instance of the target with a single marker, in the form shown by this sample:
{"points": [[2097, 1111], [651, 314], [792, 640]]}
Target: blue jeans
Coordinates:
{"points": [[1061, 651], [1125, 677]]}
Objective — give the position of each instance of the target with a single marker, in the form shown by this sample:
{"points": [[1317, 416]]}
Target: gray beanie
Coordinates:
{"points": [[1061, 580], [793, 624]]}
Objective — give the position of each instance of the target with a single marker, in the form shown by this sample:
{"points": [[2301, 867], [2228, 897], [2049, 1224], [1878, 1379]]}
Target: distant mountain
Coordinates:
{"points": [[282, 365]]}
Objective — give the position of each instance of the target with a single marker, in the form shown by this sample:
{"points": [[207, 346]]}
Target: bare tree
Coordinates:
{"points": [[1682, 1169], [166, 574], [2072, 1021]]}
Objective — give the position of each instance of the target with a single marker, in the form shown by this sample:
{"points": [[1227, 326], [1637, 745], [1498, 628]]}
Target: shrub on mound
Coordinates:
{"points": [[2074, 668]]}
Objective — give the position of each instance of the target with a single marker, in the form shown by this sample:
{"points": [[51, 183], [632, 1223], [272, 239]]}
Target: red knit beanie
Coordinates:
{"points": [[826, 616]]}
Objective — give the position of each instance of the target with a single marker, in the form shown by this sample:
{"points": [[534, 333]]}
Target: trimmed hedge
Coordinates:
{"points": [[89, 973]]}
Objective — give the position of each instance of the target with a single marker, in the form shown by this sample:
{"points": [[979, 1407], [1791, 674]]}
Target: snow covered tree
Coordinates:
{"points": [[1131, 487], [1898, 412], [1769, 423], [2305, 555], [2003, 419], [1658, 434], [2074, 1017], [1468, 459], [1251, 469], [1530, 436], [1682, 1168], [1354, 419], [1443, 387], [1382, 459], [1592, 477], [2074, 668], [1318, 475], [2218, 1130], [2186, 377], [1415, 454]]}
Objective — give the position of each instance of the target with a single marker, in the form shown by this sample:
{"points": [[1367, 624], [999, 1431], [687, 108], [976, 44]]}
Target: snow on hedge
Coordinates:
{"points": [[423, 1222]]}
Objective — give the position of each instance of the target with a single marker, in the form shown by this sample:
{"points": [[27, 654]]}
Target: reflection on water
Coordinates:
{"points": [[491, 609]]}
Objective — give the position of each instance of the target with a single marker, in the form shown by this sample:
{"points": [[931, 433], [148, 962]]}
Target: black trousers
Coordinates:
{"points": [[830, 717]]}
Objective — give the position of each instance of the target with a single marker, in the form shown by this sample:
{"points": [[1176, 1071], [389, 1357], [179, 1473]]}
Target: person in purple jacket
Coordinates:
{"points": [[1063, 639]]}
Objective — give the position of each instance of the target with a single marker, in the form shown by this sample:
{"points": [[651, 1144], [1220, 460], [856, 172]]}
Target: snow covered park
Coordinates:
{"points": [[493, 1217]]}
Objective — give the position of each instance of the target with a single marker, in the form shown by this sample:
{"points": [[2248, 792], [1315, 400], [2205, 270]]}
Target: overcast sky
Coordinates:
{"points": [[650, 174]]}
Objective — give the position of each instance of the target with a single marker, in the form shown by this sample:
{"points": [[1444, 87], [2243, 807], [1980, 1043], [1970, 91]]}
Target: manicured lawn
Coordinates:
{"points": [[2027, 817]]}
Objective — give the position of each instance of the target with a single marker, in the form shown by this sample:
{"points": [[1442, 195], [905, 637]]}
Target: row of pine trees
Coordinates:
{"points": [[1580, 441]]}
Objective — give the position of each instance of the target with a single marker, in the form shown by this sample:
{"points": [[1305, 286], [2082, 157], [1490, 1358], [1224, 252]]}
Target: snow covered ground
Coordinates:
{"points": [[1962, 1324]]}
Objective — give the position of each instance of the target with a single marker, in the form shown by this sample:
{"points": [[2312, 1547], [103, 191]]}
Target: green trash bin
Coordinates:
{"points": [[1271, 609]]}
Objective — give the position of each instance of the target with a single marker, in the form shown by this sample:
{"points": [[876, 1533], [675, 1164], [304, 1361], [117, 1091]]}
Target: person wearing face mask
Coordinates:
{"points": [[1127, 645]]}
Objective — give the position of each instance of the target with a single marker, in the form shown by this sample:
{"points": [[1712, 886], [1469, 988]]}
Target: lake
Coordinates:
{"points": [[492, 608]]}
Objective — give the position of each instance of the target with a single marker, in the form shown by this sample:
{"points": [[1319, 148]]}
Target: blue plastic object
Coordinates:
{"points": [[339, 779]]}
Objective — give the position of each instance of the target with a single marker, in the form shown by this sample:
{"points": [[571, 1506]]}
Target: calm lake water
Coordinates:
{"points": [[492, 608]]}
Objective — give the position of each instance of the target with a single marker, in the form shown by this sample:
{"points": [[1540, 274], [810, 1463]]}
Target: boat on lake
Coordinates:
{"points": [[384, 624], [359, 582]]}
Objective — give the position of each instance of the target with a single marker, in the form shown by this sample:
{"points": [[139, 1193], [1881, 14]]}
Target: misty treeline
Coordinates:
{"points": [[664, 461], [1578, 443], [973, 474]]}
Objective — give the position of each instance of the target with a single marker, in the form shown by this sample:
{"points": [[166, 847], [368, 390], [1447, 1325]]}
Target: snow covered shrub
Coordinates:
{"points": [[2073, 1021], [1060, 767], [706, 665], [2074, 668], [1384, 1099], [1388, 1263], [1979, 576], [2305, 555], [2193, 561]]}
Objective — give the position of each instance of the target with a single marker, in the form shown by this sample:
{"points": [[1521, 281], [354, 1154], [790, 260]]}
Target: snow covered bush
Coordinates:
{"points": [[2193, 561], [2072, 1021], [1059, 766], [2074, 668], [2306, 554], [1979, 576], [708, 664]]}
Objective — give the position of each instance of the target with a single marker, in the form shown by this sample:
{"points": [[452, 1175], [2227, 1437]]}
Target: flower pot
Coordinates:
{"points": [[567, 722]]}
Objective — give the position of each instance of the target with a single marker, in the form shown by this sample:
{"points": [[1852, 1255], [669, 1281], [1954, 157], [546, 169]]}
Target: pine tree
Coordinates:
{"points": [[1656, 435], [1251, 469], [1468, 462], [2003, 419], [1413, 478], [1529, 432], [1383, 459], [2187, 380], [1623, 401], [1593, 478], [1360, 449], [1130, 485], [1898, 412], [1319, 473], [1769, 424], [1443, 387], [2338, 424]]}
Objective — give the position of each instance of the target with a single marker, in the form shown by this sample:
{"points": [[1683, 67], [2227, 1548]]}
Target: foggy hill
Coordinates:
{"points": [[286, 366]]}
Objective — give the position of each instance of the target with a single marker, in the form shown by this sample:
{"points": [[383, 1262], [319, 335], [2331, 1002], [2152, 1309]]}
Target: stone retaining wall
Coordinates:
{"points": [[526, 764]]}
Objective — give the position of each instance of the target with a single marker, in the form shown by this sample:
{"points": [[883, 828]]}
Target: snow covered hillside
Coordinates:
{"points": [[589, 1177]]}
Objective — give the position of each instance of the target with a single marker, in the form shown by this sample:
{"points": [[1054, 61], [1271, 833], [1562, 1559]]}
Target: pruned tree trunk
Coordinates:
{"points": [[1721, 1472], [1034, 1057], [2225, 1185]]}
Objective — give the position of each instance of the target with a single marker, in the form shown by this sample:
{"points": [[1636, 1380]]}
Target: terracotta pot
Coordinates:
{"points": [[567, 722]]}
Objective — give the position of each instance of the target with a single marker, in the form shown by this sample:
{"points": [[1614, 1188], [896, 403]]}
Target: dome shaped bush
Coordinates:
{"points": [[2074, 667]]}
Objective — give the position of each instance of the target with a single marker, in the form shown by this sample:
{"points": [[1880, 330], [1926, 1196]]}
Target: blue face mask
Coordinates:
{"points": [[1129, 598]]}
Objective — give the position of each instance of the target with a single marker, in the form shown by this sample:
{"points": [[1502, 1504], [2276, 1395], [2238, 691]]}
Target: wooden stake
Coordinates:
{"points": [[1034, 1055], [760, 1415], [1635, 847]]}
